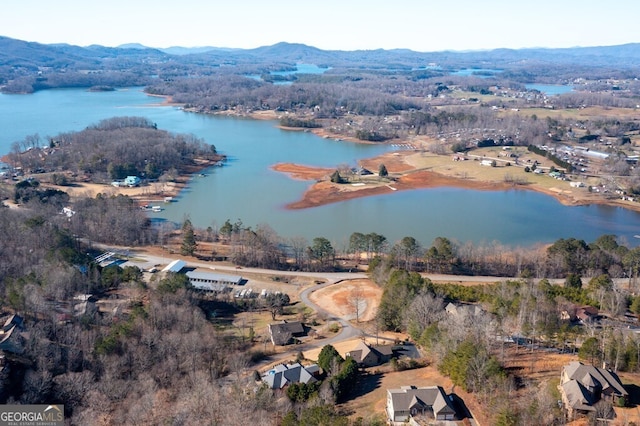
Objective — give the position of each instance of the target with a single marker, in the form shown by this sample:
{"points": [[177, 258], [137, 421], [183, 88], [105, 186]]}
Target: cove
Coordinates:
{"points": [[247, 189]]}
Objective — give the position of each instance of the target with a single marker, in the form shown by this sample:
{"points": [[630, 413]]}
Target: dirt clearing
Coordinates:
{"points": [[341, 299]]}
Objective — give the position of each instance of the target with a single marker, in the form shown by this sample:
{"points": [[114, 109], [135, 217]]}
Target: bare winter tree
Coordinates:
{"points": [[357, 301], [425, 310]]}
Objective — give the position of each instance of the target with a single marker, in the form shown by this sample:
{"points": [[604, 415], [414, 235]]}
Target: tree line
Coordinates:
{"points": [[263, 247]]}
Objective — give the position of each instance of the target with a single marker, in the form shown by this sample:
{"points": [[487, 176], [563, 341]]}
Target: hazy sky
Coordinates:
{"points": [[422, 25]]}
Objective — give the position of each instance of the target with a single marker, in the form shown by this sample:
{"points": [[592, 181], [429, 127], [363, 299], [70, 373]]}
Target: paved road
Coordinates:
{"points": [[347, 331], [145, 260]]}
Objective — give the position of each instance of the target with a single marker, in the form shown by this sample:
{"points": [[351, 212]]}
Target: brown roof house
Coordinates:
{"points": [[368, 356], [581, 314], [587, 314], [281, 333], [418, 405], [582, 386]]}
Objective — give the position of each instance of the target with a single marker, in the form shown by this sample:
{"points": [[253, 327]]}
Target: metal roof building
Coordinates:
{"points": [[175, 266], [209, 281]]}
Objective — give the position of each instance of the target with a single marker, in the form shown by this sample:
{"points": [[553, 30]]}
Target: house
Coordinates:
{"points": [[582, 386], [11, 340], [581, 314], [463, 310], [412, 403], [488, 163], [587, 314], [282, 375], [282, 333], [68, 212], [12, 321], [361, 171], [368, 356], [132, 181]]}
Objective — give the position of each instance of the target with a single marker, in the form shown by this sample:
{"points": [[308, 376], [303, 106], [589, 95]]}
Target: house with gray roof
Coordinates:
{"points": [[582, 386], [12, 340], [410, 403], [12, 321], [281, 333], [283, 375], [463, 310]]}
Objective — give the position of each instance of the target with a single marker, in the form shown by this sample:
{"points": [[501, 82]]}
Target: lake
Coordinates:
{"points": [[550, 89], [247, 189], [477, 72], [300, 69]]}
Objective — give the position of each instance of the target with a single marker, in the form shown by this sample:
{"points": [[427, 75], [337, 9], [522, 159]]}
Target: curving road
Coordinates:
{"points": [[347, 330]]}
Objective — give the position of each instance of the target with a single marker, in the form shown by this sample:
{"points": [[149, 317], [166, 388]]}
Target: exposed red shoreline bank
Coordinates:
{"points": [[324, 192]]}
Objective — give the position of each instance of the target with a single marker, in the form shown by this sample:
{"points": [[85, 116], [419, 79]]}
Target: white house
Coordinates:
{"points": [[132, 181]]}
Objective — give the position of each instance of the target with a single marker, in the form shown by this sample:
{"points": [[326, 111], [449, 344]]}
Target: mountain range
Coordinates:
{"points": [[19, 53]]}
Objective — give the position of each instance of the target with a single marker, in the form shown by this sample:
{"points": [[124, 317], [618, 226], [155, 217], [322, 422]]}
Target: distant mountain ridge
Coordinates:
{"points": [[18, 53]]}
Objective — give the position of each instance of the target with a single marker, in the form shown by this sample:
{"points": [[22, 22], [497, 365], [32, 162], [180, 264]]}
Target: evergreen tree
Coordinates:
{"points": [[326, 357], [189, 243]]}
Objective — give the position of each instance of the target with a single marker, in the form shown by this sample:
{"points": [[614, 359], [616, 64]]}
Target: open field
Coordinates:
{"points": [[592, 112]]}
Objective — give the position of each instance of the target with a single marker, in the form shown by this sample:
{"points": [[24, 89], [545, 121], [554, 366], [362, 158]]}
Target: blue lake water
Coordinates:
{"points": [[300, 69], [477, 72], [550, 89], [247, 189], [303, 69]]}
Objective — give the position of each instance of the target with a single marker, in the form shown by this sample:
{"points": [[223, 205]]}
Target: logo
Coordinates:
{"points": [[32, 415]]}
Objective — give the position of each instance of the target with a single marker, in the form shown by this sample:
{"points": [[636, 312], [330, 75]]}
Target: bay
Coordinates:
{"points": [[247, 189]]}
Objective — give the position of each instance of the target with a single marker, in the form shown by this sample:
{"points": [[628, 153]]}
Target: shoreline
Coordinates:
{"points": [[406, 178], [153, 192], [404, 175], [324, 192]]}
